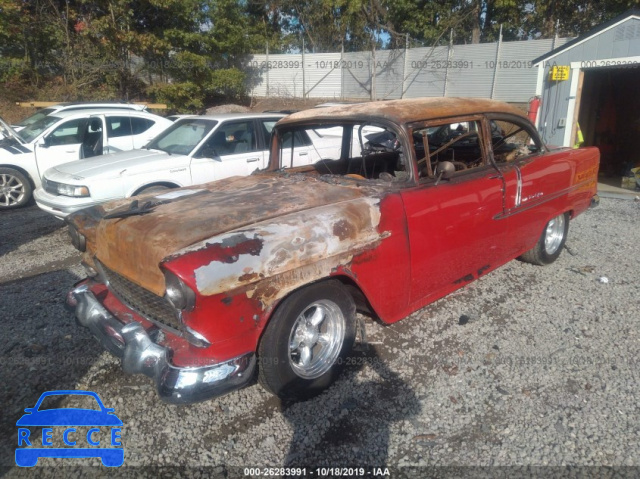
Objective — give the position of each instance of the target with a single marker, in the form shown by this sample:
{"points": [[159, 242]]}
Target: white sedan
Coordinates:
{"points": [[63, 137], [194, 150]]}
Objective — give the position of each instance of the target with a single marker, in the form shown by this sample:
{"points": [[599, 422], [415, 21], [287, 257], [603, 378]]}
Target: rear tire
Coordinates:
{"points": [[550, 243], [15, 189], [304, 345]]}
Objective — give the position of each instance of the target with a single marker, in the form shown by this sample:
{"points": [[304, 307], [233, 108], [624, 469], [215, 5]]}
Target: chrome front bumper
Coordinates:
{"points": [[140, 355]]}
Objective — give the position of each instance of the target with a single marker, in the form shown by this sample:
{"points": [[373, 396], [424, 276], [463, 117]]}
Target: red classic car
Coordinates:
{"points": [[204, 288]]}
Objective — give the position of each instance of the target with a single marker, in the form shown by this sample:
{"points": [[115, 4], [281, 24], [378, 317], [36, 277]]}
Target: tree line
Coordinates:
{"points": [[189, 53]]}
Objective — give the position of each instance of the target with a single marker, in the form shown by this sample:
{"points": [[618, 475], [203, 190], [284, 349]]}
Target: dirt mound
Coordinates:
{"points": [[228, 108]]}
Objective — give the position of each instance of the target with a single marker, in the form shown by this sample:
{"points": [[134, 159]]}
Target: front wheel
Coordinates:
{"points": [[304, 344], [550, 243], [15, 189]]}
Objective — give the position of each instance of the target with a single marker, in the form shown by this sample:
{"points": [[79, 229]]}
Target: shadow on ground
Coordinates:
{"points": [[41, 349], [23, 225]]}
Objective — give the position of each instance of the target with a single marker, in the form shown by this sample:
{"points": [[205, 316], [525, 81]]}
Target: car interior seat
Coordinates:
{"points": [[92, 144]]}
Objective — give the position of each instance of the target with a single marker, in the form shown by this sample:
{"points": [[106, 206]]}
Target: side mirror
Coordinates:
{"points": [[43, 142], [444, 170], [533, 149]]}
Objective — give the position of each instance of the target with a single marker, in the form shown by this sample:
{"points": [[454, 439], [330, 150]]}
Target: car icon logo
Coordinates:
{"points": [[69, 420]]}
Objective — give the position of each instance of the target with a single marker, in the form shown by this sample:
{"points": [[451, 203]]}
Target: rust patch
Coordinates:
{"points": [[288, 244], [405, 111], [344, 230], [249, 277]]}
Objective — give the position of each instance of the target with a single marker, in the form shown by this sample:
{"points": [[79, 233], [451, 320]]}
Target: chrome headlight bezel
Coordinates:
{"points": [[177, 293], [78, 240]]}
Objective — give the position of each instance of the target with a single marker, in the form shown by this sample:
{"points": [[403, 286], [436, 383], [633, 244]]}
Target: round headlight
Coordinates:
{"points": [[78, 240], [178, 293]]}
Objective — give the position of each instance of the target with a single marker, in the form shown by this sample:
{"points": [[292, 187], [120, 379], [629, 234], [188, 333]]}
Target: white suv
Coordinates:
{"points": [[75, 107], [63, 137], [194, 150]]}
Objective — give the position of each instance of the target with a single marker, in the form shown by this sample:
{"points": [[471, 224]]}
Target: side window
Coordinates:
{"points": [[458, 142], [300, 138], [233, 138], [118, 126], [140, 125], [512, 141], [69, 133]]}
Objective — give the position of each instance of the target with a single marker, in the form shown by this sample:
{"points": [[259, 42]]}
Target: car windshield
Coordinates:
{"points": [[183, 136], [32, 131], [354, 150], [39, 115]]}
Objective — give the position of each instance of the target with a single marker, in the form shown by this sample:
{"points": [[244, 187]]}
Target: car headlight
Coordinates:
{"points": [[70, 190], [180, 295], [78, 240]]}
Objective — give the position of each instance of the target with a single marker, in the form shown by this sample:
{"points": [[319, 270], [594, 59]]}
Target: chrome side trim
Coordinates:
{"points": [[518, 187]]}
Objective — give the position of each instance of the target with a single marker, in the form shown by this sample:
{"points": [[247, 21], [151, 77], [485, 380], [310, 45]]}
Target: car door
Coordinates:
{"points": [[127, 132], [532, 176], [232, 149], [454, 232], [60, 145]]}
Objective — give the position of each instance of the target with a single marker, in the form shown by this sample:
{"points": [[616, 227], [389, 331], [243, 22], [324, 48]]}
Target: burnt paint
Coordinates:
{"points": [[483, 269], [231, 248], [464, 279]]}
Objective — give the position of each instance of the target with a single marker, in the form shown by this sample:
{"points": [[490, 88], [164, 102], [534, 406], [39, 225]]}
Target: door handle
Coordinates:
{"points": [[252, 160], [70, 151], [303, 153]]}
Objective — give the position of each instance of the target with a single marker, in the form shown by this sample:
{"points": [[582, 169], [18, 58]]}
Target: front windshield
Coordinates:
{"points": [[353, 150], [39, 115], [32, 131], [183, 136]]}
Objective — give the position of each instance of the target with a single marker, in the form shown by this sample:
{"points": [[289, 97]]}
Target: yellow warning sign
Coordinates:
{"points": [[560, 72]]}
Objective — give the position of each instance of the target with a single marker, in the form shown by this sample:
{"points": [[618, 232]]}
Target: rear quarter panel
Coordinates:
{"points": [[559, 181]]}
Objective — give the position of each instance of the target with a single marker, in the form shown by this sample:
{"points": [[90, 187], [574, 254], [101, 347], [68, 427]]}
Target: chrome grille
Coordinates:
{"points": [[141, 300]]}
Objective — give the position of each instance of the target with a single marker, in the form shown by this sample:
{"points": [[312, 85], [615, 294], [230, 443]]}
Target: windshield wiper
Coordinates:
{"points": [[134, 210]]}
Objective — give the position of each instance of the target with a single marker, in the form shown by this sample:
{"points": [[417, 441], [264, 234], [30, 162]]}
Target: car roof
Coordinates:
{"points": [[237, 116], [406, 111], [103, 104], [99, 111]]}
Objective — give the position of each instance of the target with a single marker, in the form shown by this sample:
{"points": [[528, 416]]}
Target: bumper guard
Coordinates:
{"points": [[140, 355]]}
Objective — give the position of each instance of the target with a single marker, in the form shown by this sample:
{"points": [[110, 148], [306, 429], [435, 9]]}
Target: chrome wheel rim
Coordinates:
{"points": [[554, 234], [316, 339], [11, 190]]}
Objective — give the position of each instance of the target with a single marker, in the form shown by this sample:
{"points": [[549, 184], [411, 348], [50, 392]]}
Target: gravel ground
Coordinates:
{"points": [[528, 366]]}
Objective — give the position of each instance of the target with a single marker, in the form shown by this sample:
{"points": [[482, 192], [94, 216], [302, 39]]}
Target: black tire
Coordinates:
{"points": [[550, 243], [282, 370], [15, 189]]}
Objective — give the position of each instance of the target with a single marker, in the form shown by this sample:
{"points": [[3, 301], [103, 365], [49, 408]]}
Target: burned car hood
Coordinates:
{"points": [[134, 246]]}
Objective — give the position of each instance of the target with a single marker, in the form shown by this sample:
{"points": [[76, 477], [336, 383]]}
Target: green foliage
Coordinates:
{"points": [[189, 53], [184, 97]]}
